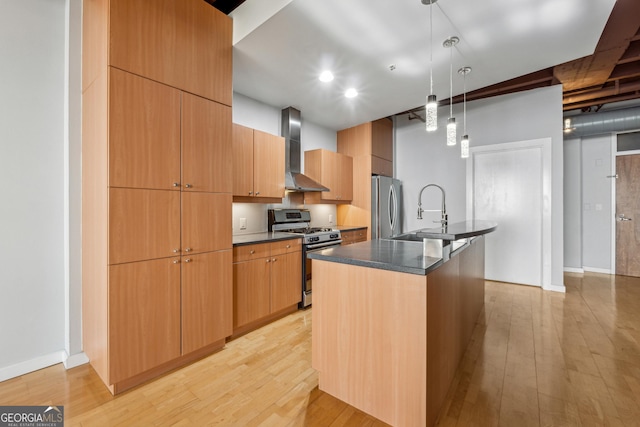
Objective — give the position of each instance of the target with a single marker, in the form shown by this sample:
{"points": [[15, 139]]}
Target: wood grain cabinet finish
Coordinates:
{"points": [[266, 280], [371, 146], [156, 181], [334, 171], [144, 316], [144, 133], [353, 236], [207, 299], [258, 164], [206, 145], [183, 43], [143, 224]]}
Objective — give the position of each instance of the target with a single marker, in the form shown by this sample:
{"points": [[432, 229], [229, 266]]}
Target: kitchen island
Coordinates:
{"points": [[390, 325]]}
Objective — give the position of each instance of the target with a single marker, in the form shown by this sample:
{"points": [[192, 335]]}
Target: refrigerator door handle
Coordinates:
{"points": [[393, 202]]}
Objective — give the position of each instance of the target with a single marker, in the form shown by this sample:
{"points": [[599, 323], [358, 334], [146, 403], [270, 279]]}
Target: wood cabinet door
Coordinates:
{"points": [[207, 299], [186, 44], [242, 153], [345, 177], [382, 139], [144, 133], [330, 170], [206, 222], [251, 291], [268, 165], [143, 224], [144, 316], [206, 145], [286, 280]]}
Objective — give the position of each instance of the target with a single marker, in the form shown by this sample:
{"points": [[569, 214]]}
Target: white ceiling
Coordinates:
{"points": [[279, 61]]}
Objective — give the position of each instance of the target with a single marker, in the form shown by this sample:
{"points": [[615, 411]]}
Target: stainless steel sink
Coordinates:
{"points": [[436, 248]]}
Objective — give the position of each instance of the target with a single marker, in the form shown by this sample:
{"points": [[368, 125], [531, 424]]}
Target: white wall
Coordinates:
{"points": [[32, 172], [423, 158], [255, 114], [572, 205]]}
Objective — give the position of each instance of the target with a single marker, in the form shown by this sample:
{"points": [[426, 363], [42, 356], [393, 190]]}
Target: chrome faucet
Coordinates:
{"points": [[444, 219]]}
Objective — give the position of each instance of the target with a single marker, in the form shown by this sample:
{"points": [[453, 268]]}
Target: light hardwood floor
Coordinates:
{"points": [[536, 358]]}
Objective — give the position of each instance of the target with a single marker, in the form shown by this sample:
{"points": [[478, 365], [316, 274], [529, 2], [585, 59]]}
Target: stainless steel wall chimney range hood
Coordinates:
{"points": [[293, 179]]}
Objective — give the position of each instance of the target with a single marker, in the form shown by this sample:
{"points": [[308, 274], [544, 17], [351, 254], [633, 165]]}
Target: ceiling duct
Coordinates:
{"points": [[293, 179], [622, 120]]}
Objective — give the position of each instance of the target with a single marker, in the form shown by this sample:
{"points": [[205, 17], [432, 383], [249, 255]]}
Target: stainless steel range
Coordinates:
{"points": [[313, 238]]}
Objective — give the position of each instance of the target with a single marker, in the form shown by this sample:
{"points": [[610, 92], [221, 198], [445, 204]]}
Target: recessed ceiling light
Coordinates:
{"points": [[326, 76], [351, 93]]}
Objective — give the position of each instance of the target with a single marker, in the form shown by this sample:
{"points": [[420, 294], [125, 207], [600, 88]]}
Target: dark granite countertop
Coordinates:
{"points": [[401, 256], [265, 237], [458, 230]]}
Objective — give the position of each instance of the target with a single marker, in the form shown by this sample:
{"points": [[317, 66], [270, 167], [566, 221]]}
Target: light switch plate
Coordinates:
{"points": [[330, 219], [243, 223]]}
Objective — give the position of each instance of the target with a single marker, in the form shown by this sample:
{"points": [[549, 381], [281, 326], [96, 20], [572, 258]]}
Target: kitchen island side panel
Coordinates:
{"points": [[369, 340]]}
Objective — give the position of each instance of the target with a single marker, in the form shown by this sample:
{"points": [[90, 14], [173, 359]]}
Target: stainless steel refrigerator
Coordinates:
{"points": [[386, 205]]}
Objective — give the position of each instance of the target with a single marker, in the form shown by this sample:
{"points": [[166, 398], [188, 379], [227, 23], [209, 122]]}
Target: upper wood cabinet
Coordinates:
{"points": [[206, 221], [258, 164], [206, 145], [373, 139], [162, 138], [186, 44], [144, 132], [334, 171]]}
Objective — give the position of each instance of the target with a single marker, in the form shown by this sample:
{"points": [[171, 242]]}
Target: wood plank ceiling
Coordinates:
{"points": [[610, 74]]}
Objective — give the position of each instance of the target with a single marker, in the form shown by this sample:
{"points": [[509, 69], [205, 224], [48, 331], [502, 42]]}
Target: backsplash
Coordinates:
{"points": [[254, 215]]}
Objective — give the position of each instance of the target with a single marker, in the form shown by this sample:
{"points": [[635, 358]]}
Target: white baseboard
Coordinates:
{"points": [[75, 360], [598, 270], [573, 270], [27, 366], [555, 288]]}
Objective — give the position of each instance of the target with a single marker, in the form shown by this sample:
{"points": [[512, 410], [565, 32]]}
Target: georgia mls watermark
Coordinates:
{"points": [[31, 416]]}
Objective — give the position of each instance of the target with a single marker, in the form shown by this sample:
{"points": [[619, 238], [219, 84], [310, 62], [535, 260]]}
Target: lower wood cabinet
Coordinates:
{"points": [[162, 309], [267, 280], [353, 236], [207, 299]]}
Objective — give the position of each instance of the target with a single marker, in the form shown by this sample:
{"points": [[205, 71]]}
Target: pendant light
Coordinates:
{"points": [[464, 142], [451, 122], [431, 108]]}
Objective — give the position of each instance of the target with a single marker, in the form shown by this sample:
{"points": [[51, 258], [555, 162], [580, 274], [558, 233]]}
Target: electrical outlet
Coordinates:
{"points": [[243, 223], [330, 219]]}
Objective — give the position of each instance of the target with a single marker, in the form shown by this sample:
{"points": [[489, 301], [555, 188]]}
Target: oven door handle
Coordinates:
{"points": [[324, 244]]}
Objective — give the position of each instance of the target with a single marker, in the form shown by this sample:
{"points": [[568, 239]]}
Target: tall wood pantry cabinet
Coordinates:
{"points": [[371, 146], [156, 186]]}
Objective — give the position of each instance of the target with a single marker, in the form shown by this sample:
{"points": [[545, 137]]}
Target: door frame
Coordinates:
{"points": [[614, 172], [543, 144]]}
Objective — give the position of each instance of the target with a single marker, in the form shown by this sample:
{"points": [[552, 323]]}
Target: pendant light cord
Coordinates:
{"points": [[464, 102], [451, 82], [431, 46]]}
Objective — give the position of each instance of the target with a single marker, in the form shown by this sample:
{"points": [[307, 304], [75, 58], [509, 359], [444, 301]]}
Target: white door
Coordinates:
{"points": [[507, 185]]}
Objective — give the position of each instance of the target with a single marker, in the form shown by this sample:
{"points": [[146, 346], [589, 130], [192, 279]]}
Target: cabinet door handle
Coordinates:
{"points": [[175, 251], [187, 260], [274, 259], [176, 184], [188, 185], [176, 261], [251, 252], [257, 192], [187, 249], [268, 260], [250, 192], [288, 246]]}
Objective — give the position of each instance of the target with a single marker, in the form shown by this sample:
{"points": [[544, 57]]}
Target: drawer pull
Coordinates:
{"points": [[251, 252], [288, 246]]}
